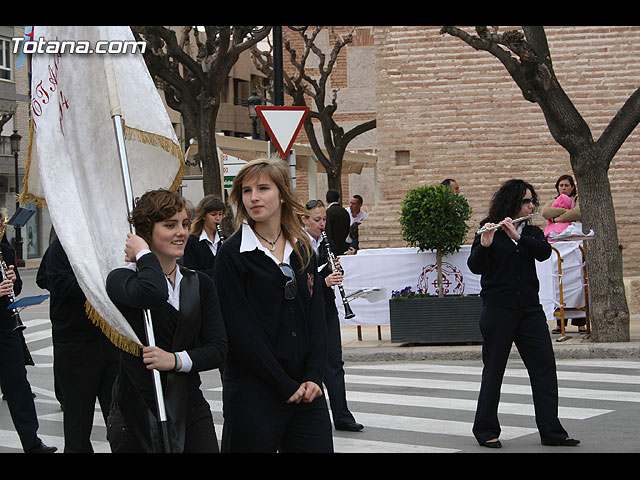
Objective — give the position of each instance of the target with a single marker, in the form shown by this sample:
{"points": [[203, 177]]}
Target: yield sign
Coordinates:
{"points": [[282, 125]]}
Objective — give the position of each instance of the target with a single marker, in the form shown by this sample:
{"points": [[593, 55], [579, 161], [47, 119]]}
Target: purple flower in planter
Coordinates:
{"points": [[408, 292]]}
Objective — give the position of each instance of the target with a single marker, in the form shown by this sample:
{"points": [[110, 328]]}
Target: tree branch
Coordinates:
{"points": [[620, 127]]}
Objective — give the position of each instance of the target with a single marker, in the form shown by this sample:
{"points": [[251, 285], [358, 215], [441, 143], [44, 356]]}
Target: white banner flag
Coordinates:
{"points": [[73, 162]]}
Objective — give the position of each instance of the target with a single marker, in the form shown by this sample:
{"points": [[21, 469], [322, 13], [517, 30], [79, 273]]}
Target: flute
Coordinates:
{"points": [[485, 228]]}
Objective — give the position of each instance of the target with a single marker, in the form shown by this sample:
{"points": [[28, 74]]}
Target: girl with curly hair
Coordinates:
{"points": [[188, 330]]}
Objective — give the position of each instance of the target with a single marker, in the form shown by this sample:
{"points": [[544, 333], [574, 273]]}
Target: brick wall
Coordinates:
{"points": [[459, 115]]}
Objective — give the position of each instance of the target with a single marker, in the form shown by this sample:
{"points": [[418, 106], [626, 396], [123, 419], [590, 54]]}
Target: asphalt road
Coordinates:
{"points": [[407, 406]]}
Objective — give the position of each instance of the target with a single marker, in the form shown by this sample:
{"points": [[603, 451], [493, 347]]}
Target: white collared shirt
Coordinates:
{"points": [[251, 242], [174, 301], [519, 228], [315, 243], [213, 246], [358, 218]]}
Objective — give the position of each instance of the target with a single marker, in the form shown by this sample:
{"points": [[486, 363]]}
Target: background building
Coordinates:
{"points": [[443, 110], [14, 97]]}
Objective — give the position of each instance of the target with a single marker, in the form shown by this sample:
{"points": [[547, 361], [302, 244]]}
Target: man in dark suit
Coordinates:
{"points": [[85, 362], [338, 222]]}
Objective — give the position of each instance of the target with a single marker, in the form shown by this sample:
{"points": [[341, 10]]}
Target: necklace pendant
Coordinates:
{"points": [[273, 247]]}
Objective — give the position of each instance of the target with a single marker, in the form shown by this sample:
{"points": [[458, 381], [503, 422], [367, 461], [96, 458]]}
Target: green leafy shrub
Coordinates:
{"points": [[432, 217]]}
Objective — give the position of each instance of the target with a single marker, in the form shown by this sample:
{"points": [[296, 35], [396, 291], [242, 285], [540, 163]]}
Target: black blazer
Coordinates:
{"points": [[6, 316], [198, 256], [337, 227], [281, 342], [69, 320], [197, 328], [508, 270]]}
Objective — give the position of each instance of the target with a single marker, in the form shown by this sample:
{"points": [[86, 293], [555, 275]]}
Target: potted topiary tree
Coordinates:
{"points": [[434, 218]]}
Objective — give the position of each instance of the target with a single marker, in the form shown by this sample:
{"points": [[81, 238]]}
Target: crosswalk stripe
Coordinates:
{"points": [[432, 425], [37, 335], [509, 408], [10, 439], [581, 393], [509, 373], [36, 322], [602, 363], [354, 445]]}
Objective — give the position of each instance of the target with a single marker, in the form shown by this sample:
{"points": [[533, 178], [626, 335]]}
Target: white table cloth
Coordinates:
{"points": [[388, 269]]}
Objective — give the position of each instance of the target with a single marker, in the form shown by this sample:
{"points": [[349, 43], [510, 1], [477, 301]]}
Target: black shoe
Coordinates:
{"points": [[42, 448], [567, 442], [492, 444], [350, 427]]}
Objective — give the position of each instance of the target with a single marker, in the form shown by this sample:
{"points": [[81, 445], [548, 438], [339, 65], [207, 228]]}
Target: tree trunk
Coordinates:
{"points": [[603, 256], [208, 153], [334, 180]]}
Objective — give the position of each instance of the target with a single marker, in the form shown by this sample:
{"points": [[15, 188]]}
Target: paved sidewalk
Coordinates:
{"points": [[371, 349]]}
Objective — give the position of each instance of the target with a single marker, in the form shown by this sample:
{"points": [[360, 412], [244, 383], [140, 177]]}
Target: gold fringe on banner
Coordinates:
{"points": [[24, 196], [164, 143], [119, 340]]}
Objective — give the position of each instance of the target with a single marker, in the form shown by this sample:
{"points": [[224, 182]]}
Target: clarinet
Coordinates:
{"points": [[220, 234], [18, 325], [348, 313]]}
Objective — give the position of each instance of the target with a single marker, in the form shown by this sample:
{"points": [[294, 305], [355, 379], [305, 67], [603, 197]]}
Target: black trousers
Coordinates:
{"points": [[16, 387], [200, 433], [334, 372], [257, 421], [84, 372], [528, 329]]}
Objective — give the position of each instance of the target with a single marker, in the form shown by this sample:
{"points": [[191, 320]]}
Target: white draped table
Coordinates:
{"points": [[388, 269]]}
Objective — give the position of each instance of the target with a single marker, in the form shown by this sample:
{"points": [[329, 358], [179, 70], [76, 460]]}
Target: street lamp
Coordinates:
{"points": [[15, 148], [252, 101]]}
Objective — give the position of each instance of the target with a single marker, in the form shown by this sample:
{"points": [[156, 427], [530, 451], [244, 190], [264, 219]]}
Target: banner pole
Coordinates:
{"points": [[148, 322], [116, 115]]}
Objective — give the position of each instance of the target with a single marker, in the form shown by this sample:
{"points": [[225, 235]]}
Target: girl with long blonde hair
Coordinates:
{"points": [[272, 304]]}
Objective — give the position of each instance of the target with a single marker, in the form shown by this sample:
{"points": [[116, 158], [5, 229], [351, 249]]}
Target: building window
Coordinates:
{"points": [[402, 157], [5, 59], [5, 145]]}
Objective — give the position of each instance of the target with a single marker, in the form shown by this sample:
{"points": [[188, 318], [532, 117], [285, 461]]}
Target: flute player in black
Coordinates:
{"points": [[505, 258]]}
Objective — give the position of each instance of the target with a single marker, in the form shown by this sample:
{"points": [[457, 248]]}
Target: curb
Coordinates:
{"points": [[474, 352]]}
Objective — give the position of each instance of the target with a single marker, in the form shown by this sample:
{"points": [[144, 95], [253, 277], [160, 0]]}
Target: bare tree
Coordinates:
{"points": [[192, 78], [303, 83], [525, 55], [5, 117]]}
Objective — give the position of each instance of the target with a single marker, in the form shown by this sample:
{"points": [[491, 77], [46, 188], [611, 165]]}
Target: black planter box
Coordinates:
{"points": [[434, 320]]}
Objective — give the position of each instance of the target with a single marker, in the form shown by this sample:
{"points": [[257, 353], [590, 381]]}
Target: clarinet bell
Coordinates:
{"points": [[18, 326], [348, 313]]}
